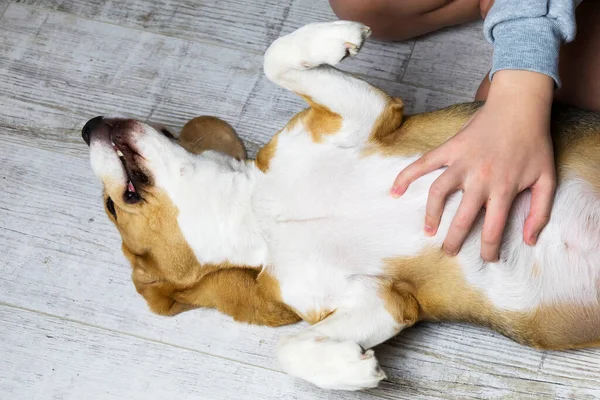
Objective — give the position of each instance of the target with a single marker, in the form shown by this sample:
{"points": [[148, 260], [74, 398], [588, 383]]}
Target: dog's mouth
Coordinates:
{"points": [[120, 137], [127, 157]]}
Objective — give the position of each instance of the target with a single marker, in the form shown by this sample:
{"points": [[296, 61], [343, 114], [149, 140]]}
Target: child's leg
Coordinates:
{"points": [[580, 61], [403, 19]]}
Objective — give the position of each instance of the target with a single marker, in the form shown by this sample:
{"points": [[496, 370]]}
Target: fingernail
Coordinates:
{"points": [[396, 192], [429, 230], [533, 239]]}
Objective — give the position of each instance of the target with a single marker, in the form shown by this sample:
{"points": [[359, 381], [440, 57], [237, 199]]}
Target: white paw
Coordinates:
{"points": [[314, 45], [329, 42], [330, 364]]}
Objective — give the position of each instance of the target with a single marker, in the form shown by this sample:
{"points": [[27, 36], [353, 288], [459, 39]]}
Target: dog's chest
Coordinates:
{"points": [[330, 221]]}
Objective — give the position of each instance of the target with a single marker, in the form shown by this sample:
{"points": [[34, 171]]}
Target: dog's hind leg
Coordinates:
{"points": [[159, 295], [331, 354], [343, 109]]}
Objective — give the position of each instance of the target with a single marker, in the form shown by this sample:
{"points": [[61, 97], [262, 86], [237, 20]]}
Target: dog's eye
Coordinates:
{"points": [[110, 206], [166, 132]]}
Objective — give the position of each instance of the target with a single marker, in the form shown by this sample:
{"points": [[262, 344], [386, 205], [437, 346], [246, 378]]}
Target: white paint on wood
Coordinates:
{"points": [[57, 71], [45, 357], [60, 260], [3, 6], [245, 25], [453, 60]]}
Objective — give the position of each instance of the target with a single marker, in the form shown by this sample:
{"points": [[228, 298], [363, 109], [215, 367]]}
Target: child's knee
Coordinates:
{"points": [[358, 10], [403, 19]]}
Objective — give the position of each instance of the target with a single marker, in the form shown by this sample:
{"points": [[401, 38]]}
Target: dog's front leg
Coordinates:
{"points": [[158, 293], [240, 293], [348, 109], [331, 354]]}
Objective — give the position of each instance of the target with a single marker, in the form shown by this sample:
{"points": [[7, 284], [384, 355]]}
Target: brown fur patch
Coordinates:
{"points": [[581, 158], [242, 294], [319, 120], [399, 302], [389, 120], [314, 316], [168, 275], [266, 153], [564, 326], [435, 283], [419, 133]]}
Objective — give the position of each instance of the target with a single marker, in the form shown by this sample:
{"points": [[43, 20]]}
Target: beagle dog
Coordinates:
{"points": [[309, 231]]}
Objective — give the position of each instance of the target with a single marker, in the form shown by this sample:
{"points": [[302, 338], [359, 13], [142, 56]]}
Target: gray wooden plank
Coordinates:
{"points": [[454, 60], [57, 71], [452, 361], [269, 107], [3, 6], [248, 25], [377, 59], [44, 357], [60, 255]]}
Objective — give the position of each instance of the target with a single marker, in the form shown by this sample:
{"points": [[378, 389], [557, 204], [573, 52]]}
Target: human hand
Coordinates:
{"points": [[505, 149]]}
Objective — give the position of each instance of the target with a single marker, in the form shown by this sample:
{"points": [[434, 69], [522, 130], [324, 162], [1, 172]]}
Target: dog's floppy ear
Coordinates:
{"points": [[211, 133]]}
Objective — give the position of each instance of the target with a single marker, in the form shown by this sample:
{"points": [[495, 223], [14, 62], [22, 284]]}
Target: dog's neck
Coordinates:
{"points": [[214, 196]]}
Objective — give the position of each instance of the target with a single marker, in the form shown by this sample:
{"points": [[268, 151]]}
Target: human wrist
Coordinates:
{"points": [[522, 88]]}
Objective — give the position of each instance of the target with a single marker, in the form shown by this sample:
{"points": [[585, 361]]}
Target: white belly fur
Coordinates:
{"points": [[330, 223]]}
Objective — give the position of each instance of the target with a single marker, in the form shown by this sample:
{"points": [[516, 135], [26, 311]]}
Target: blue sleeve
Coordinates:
{"points": [[527, 34]]}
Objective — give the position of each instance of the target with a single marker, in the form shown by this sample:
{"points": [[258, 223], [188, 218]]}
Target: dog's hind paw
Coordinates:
{"points": [[330, 42]]}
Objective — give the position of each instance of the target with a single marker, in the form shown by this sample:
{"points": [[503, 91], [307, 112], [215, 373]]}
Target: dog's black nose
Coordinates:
{"points": [[89, 128]]}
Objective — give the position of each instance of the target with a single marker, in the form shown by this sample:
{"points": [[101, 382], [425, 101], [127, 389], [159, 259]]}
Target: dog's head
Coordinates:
{"points": [[140, 166]]}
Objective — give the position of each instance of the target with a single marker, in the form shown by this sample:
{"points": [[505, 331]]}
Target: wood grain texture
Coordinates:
{"points": [[453, 60], [461, 361], [45, 357], [57, 71], [245, 25], [3, 6]]}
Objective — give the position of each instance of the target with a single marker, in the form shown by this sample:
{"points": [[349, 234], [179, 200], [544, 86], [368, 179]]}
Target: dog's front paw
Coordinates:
{"points": [[330, 42], [330, 364]]}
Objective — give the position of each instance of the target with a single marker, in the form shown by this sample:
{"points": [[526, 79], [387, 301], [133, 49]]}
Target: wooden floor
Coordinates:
{"points": [[71, 324]]}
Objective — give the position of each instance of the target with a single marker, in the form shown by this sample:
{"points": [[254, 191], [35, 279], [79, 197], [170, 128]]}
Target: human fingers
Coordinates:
{"points": [[425, 164], [440, 189], [496, 214], [463, 221], [542, 197]]}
